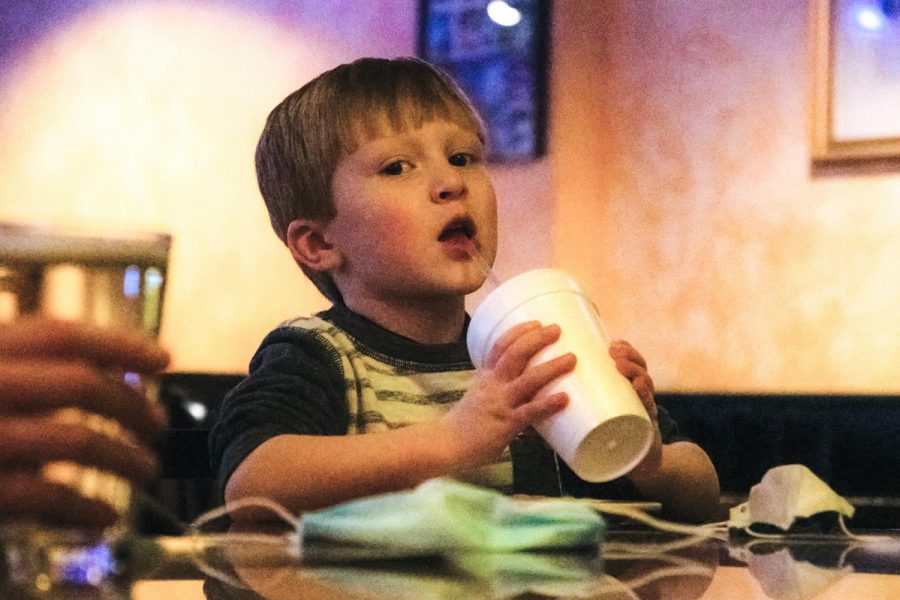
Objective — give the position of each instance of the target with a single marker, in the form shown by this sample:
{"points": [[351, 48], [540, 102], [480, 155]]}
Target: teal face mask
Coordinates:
{"points": [[441, 517], [444, 516]]}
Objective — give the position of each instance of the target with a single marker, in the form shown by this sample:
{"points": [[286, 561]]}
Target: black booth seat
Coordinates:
{"points": [[852, 442]]}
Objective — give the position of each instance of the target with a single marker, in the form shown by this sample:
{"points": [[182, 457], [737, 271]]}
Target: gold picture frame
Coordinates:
{"points": [[856, 89]]}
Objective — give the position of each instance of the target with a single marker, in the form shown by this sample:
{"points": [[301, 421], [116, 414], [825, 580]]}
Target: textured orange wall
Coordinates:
{"points": [[145, 116], [685, 200], [677, 187]]}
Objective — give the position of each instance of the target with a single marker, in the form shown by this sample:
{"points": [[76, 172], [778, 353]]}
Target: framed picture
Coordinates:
{"points": [[497, 52], [856, 56]]}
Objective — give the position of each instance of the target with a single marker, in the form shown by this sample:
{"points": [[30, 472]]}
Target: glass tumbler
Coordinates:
{"points": [[109, 279]]}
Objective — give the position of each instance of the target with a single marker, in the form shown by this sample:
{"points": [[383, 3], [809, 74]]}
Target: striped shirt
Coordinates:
{"points": [[337, 373]]}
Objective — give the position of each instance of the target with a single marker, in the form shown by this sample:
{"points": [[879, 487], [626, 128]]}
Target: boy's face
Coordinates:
{"points": [[409, 206]]}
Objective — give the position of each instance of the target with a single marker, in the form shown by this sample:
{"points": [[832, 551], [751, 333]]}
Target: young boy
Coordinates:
{"points": [[374, 176]]}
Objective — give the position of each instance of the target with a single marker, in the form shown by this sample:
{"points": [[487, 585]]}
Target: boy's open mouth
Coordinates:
{"points": [[459, 229]]}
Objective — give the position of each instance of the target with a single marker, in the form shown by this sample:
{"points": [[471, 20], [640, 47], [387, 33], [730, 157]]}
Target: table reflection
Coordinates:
{"points": [[628, 568], [636, 564], [819, 566], [631, 565]]}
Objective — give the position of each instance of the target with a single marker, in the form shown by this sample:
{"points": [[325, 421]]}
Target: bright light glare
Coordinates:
{"points": [[197, 410], [503, 14], [870, 19]]}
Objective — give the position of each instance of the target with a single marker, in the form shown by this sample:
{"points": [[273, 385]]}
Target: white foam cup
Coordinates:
{"points": [[604, 431]]}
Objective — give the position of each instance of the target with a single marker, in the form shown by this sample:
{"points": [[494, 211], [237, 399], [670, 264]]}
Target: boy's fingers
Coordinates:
{"points": [[630, 369], [643, 385], [640, 381], [507, 339], [539, 410], [57, 338], [644, 389], [524, 348], [620, 349], [531, 381]]}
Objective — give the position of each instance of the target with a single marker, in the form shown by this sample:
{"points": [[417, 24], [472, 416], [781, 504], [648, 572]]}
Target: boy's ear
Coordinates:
{"points": [[309, 247]]}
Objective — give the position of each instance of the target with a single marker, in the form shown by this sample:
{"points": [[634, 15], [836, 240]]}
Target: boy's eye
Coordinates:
{"points": [[395, 168], [461, 159]]}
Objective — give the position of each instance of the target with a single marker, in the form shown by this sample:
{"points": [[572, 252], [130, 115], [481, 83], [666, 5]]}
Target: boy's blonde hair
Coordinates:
{"points": [[309, 131]]}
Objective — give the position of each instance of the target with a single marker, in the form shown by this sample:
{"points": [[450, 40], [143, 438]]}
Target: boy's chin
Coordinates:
{"points": [[474, 283], [465, 288]]}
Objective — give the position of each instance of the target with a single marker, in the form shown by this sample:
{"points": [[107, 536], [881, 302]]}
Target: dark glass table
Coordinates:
{"points": [[631, 563]]}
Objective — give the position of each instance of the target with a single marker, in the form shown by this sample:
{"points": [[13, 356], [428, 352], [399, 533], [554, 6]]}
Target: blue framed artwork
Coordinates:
{"points": [[497, 51]]}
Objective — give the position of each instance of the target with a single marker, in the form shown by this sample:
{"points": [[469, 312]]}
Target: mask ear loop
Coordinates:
{"points": [[196, 542], [868, 538], [763, 536], [621, 550], [611, 584], [695, 533], [251, 502], [702, 531], [841, 522], [680, 567]]}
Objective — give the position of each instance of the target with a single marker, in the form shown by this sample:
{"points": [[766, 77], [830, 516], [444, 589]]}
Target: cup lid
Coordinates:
{"points": [[506, 298]]}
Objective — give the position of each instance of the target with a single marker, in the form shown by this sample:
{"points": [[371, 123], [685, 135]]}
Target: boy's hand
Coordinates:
{"points": [[501, 402], [632, 365]]}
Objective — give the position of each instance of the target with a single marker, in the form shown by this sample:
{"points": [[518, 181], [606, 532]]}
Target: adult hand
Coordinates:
{"points": [[50, 372]]}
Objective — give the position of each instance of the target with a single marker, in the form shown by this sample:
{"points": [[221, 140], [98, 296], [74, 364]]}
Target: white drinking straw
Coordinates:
{"points": [[492, 278]]}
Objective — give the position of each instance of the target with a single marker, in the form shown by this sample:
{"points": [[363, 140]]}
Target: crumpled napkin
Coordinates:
{"points": [[444, 516]]}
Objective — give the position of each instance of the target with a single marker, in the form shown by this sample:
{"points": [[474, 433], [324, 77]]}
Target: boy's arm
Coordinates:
{"points": [[684, 480], [305, 472], [679, 475]]}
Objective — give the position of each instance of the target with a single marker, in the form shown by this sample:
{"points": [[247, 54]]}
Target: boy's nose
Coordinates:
{"points": [[448, 185]]}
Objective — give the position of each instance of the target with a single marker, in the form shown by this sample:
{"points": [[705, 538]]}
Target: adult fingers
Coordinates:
{"points": [[37, 441], [26, 495], [41, 336], [44, 385]]}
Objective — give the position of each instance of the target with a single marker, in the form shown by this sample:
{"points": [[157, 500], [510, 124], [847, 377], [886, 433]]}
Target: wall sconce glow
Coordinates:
{"points": [[503, 14], [869, 19]]}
